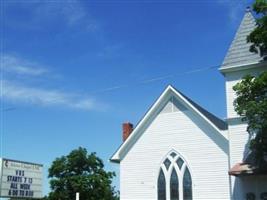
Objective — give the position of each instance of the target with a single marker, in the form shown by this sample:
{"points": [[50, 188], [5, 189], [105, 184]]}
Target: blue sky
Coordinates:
{"points": [[73, 71]]}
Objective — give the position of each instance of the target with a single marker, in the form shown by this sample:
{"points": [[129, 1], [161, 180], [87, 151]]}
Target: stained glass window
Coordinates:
{"points": [[174, 186], [187, 185], [167, 163], [161, 186], [173, 154], [175, 165], [180, 163]]}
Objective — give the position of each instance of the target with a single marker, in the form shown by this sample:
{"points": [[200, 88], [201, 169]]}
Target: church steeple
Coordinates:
{"points": [[239, 61], [238, 53]]}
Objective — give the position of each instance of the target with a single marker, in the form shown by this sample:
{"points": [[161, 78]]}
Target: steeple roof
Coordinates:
{"points": [[238, 53]]}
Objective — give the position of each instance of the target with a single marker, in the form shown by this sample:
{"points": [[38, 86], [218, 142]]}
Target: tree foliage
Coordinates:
{"points": [[80, 172], [258, 37], [251, 104]]}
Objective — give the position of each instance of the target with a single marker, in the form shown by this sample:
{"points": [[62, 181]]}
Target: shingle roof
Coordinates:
{"points": [[219, 123], [238, 53]]}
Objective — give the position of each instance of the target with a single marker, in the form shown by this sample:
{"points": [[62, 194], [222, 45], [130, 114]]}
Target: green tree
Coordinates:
{"points": [[251, 104], [80, 172], [258, 37]]}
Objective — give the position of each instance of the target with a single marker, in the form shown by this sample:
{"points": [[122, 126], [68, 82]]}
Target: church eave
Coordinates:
{"points": [[247, 66]]}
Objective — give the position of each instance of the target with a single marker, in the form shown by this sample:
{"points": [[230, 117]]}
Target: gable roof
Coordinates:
{"points": [[216, 123], [238, 54]]}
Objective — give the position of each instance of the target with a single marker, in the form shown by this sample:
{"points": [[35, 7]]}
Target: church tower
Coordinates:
{"points": [[238, 62]]}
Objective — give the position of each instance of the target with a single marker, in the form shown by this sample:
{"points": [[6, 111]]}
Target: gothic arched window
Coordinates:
{"points": [[161, 186], [174, 171], [174, 185], [187, 185]]}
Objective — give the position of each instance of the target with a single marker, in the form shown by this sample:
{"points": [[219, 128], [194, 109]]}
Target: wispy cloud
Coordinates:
{"points": [[14, 64], [16, 93], [70, 10], [73, 12], [41, 14]]}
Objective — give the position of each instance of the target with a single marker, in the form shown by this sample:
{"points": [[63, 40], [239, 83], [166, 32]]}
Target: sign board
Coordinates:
{"points": [[20, 179]]}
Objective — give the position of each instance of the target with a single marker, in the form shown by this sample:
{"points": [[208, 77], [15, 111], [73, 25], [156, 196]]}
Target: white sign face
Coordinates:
{"points": [[21, 179]]}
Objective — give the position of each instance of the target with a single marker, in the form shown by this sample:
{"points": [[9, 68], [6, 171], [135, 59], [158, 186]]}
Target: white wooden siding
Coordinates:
{"points": [[231, 79], [243, 185], [238, 139], [205, 152], [238, 142]]}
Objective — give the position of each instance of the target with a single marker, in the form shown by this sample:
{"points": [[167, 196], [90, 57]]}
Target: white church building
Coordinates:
{"points": [[179, 150]]}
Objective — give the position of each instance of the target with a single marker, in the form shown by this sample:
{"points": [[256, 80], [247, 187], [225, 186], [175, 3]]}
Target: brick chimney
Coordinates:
{"points": [[127, 129]]}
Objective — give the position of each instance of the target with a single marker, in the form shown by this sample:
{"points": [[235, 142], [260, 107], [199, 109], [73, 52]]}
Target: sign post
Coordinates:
{"points": [[1, 172], [77, 195], [20, 179]]}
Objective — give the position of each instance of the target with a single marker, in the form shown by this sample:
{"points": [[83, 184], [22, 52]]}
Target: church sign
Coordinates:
{"points": [[20, 179]]}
